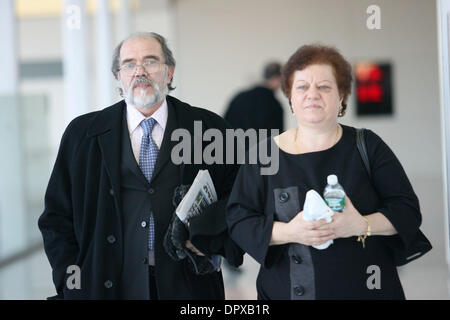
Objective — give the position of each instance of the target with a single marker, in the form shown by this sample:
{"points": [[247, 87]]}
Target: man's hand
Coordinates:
{"points": [[191, 247]]}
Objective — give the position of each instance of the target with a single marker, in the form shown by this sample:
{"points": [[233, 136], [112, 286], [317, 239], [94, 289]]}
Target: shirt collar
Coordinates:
{"points": [[135, 117]]}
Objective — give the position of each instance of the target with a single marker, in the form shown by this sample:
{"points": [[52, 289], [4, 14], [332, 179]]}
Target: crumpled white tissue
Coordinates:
{"points": [[315, 208]]}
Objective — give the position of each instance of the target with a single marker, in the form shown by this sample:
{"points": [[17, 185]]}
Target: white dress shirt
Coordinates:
{"points": [[134, 119]]}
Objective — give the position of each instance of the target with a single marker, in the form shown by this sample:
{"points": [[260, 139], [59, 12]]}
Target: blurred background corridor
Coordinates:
{"points": [[55, 62]]}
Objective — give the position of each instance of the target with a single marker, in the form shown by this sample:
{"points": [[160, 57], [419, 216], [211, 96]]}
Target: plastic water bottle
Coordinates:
{"points": [[334, 194]]}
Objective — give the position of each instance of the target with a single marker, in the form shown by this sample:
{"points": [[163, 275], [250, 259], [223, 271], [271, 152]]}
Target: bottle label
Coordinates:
{"points": [[336, 204]]}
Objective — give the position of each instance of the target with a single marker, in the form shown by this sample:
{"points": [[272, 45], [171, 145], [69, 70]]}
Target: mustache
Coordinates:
{"points": [[142, 79]]}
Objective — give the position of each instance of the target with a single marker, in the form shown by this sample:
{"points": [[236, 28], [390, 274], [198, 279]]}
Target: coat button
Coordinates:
{"points": [[151, 191], [108, 284], [297, 259], [111, 192], [143, 224], [299, 291], [144, 260], [111, 239], [284, 196]]}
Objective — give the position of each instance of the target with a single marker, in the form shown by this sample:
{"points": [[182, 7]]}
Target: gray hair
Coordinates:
{"points": [[167, 53]]}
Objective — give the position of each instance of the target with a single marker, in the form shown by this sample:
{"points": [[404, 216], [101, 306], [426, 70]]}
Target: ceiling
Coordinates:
{"points": [[53, 8]]}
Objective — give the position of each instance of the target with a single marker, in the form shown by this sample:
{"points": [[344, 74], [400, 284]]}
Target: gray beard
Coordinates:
{"points": [[142, 100]]}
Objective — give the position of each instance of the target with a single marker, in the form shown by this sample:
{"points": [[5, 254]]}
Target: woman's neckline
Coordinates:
{"points": [[338, 142]]}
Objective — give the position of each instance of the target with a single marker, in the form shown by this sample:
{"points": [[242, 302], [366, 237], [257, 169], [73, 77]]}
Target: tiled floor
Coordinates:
{"points": [[31, 279], [426, 278]]}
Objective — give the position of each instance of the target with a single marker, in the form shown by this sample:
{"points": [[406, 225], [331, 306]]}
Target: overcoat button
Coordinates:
{"points": [[111, 239], [284, 196], [143, 224], [297, 260], [299, 290], [108, 284], [151, 191]]}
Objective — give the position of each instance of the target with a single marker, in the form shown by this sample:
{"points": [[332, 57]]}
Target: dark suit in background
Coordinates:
{"points": [[257, 108]]}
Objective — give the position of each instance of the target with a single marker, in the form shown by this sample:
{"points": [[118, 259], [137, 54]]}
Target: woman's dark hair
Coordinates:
{"points": [[319, 54]]}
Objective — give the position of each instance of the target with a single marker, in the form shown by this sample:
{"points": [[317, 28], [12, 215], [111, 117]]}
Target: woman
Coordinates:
{"points": [[265, 212]]}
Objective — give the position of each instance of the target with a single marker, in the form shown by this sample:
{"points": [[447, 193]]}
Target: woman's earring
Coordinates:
{"points": [[341, 111]]}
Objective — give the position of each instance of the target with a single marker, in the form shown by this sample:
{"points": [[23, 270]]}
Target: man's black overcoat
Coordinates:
{"points": [[82, 214]]}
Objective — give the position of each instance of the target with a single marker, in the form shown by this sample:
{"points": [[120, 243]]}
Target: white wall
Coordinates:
{"points": [[224, 44], [221, 46]]}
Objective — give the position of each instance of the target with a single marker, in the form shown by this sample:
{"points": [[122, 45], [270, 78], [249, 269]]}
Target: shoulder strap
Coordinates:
{"points": [[361, 144]]}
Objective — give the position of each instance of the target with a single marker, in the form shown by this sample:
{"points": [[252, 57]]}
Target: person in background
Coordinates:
{"points": [[258, 108], [109, 202], [265, 212]]}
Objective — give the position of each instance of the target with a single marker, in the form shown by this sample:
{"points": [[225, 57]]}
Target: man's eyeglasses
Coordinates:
{"points": [[148, 66]]}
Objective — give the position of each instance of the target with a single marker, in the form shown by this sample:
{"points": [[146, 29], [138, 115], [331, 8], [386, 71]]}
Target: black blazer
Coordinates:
{"points": [[83, 208]]}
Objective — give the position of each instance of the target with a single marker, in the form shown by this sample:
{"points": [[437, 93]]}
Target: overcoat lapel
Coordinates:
{"points": [[167, 144], [107, 127], [179, 117]]}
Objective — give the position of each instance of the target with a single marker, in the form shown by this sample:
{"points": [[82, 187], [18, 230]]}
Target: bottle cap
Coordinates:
{"points": [[332, 179]]}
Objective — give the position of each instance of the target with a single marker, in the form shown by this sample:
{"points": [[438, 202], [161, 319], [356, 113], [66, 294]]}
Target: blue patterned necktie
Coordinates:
{"points": [[147, 160]]}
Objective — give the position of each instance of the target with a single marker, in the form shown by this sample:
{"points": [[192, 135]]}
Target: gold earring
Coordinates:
{"points": [[341, 111]]}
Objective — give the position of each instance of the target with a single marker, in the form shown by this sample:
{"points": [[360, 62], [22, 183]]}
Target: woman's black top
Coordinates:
{"points": [[345, 270]]}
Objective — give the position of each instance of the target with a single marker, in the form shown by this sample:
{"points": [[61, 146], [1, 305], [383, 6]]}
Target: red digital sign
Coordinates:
{"points": [[373, 88]]}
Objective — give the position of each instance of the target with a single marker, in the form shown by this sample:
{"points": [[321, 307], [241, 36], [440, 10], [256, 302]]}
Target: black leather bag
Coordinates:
{"points": [[421, 244]]}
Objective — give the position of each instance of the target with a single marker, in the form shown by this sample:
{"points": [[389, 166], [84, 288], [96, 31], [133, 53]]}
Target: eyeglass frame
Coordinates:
{"points": [[152, 62]]}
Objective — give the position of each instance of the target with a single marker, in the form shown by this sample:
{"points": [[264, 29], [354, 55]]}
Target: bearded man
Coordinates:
{"points": [[109, 202]]}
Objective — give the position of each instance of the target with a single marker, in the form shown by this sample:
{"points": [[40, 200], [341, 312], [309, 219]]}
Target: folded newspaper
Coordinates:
{"points": [[200, 195]]}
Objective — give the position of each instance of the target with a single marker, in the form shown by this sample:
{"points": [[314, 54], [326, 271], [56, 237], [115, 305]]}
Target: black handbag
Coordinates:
{"points": [[421, 244]]}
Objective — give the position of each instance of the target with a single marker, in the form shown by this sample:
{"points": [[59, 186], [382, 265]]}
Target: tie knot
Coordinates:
{"points": [[147, 125]]}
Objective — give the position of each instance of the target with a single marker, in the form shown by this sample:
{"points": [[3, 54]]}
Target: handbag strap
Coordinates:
{"points": [[421, 244], [361, 144]]}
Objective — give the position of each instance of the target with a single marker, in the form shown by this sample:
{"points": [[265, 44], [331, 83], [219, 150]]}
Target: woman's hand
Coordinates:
{"points": [[347, 223], [301, 231]]}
